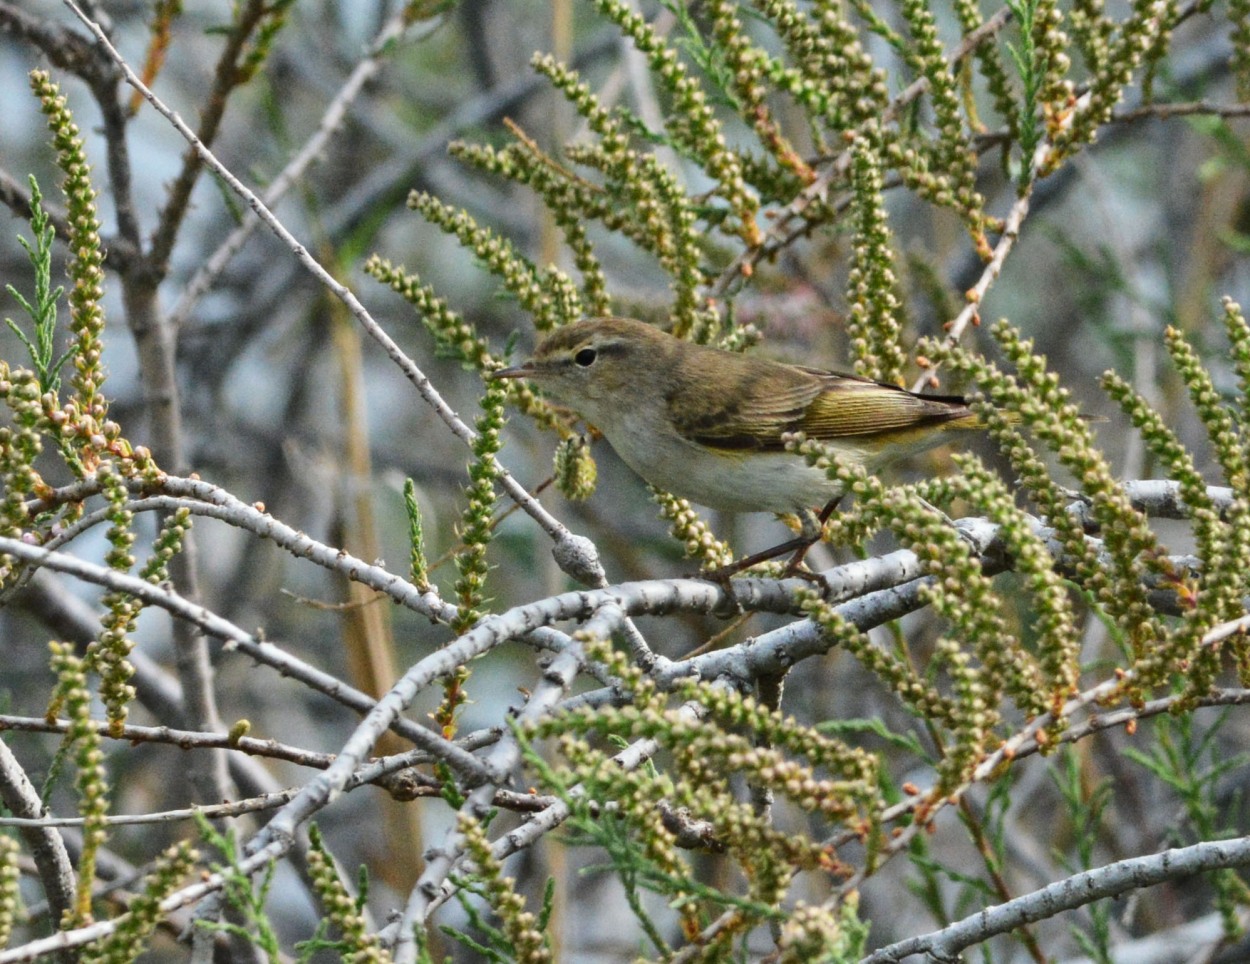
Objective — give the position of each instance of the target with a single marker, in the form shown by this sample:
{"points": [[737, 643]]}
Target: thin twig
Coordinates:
{"points": [[1076, 891], [330, 124], [19, 796], [836, 168], [80, 936], [63, 48], [1186, 109], [971, 312], [226, 76], [503, 758], [584, 554], [1023, 741], [246, 643]]}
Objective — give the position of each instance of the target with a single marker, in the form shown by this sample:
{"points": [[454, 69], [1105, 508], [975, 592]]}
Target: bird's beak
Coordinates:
{"points": [[516, 371]]}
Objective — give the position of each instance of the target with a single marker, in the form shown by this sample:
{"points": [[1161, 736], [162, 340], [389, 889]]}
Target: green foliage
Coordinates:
{"points": [[642, 858], [134, 930], [727, 735], [777, 124], [92, 781], [87, 254], [10, 879], [246, 895], [521, 935], [693, 125], [343, 911], [1221, 535], [820, 933], [107, 653], [76, 427], [168, 543], [1193, 765], [894, 670], [1085, 808], [476, 523], [951, 152], [21, 443], [549, 296], [419, 568], [454, 337], [264, 21], [833, 77], [1118, 50], [1024, 55], [692, 531], [873, 321], [1033, 398], [43, 311], [1239, 14], [574, 469], [961, 593]]}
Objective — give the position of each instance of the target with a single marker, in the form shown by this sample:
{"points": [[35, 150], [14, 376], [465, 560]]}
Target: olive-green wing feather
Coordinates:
{"points": [[854, 407], [757, 405], [752, 408]]}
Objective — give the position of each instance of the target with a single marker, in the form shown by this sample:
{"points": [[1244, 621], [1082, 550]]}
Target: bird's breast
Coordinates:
{"points": [[730, 480]]}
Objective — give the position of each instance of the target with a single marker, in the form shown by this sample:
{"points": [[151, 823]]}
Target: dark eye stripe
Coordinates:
{"points": [[610, 348]]}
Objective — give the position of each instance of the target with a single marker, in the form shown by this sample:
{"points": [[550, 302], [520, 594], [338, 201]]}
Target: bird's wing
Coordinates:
{"points": [[858, 407], [758, 407], [754, 407]]}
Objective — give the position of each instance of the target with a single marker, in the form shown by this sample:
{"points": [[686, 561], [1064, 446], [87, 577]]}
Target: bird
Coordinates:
{"points": [[710, 425]]}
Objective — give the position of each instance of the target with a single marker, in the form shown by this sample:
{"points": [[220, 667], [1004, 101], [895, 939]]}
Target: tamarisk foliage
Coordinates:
{"points": [[762, 767]]}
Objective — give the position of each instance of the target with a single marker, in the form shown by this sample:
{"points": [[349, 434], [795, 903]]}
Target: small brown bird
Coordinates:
{"points": [[707, 424]]}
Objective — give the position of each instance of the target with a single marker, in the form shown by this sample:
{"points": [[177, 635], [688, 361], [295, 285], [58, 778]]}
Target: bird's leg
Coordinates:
{"points": [[813, 529], [801, 542], [809, 535]]}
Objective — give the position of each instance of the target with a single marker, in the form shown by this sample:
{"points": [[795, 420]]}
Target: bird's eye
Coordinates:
{"points": [[585, 357]]}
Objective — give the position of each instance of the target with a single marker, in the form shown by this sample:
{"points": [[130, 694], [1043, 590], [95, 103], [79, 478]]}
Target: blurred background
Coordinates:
{"points": [[285, 404]]}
